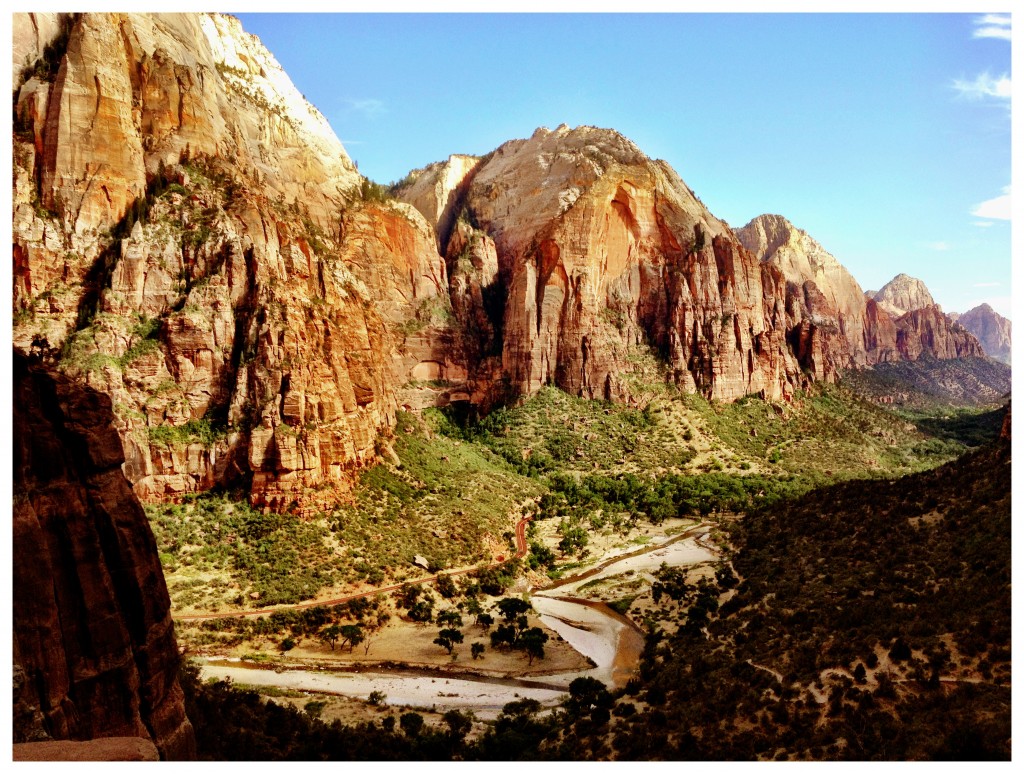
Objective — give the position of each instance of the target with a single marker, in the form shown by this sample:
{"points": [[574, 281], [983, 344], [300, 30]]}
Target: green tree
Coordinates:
{"points": [[485, 621], [532, 641], [330, 635], [448, 639], [449, 618], [586, 694], [446, 586], [574, 538], [477, 650], [458, 726], [352, 634], [411, 723], [512, 607], [504, 635]]}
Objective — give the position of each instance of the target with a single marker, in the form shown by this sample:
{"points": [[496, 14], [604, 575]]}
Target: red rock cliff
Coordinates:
{"points": [[192, 239], [94, 648]]}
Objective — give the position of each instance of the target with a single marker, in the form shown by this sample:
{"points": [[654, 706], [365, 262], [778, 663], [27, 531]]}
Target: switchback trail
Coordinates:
{"points": [[521, 549]]}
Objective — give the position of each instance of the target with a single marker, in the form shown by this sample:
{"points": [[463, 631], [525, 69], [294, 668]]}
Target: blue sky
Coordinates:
{"points": [[885, 136]]}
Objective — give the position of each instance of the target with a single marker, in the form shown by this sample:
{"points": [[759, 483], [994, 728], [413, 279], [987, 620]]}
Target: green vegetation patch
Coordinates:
{"points": [[829, 430], [193, 431], [907, 579], [553, 430], [442, 502], [224, 551]]}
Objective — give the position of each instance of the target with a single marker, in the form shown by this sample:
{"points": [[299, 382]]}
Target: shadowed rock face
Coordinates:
{"points": [[94, 644], [206, 255]]}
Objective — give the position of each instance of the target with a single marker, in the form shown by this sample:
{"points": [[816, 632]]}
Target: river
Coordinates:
{"points": [[610, 640]]}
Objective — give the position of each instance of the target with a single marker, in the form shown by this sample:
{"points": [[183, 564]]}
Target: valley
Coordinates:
{"points": [[593, 483], [525, 456]]}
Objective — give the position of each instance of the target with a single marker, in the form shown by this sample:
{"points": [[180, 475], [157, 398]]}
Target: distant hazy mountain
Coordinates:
{"points": [[990, 328]]}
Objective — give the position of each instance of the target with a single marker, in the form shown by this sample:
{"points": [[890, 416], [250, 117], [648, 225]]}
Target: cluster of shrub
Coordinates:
{"points": [[830, 581], [233, 724], [349, 623]]}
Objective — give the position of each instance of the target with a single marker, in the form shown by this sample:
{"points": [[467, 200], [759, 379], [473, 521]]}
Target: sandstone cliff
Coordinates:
{"points": [[191, 239], [94, 647], [929, 332], [801, 259], [899, 322], [602, 252], [991, 329], [903, 294]]}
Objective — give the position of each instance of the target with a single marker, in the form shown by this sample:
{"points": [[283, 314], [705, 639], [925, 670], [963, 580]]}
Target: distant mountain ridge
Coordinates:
{"points": [[203, 250], [991, 329], [856, 329]]}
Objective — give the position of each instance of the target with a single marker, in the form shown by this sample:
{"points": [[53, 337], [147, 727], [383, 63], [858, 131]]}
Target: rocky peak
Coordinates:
{"points": [[801, 258], [438, 190], [773, 238], [525, 185], [137, 90], [903, 294], [991, 329]]}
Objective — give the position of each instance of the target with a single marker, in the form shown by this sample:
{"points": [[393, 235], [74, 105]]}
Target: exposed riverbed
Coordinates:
{"points": [[609, 640]]}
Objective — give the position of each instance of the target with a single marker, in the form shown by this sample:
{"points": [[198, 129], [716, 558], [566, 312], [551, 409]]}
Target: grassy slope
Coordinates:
{"points": [[459, 490]]}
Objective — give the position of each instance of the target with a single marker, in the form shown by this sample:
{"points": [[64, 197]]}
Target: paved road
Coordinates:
{"points": [[521, 549]]}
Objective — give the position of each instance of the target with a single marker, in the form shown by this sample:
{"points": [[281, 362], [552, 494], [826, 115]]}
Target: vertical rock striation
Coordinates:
{"points": [[192, 238], [93, 637], [991, 329], [856, 328], [189, 234]]}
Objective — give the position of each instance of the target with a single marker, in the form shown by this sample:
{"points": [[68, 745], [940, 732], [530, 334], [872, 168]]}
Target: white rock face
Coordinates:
{"points": [[903, 294], [526, 184], [435, 191], [801, 258], [31, 32], [248, 65], [180, 81]]}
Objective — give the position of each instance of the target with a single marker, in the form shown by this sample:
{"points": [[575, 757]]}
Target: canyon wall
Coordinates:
{"points": [[94, 648], [899, 322], [192, 240]]}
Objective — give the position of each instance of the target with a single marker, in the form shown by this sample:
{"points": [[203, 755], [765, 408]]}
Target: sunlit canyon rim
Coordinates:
{"points": [[208, 296]]}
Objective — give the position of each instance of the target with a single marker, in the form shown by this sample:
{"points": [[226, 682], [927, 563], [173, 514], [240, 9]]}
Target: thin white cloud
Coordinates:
{"points": [[371, 108], [984, 223], [994, 209], [985, 86], [985, 285], [940, 246], [993, 25]]}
